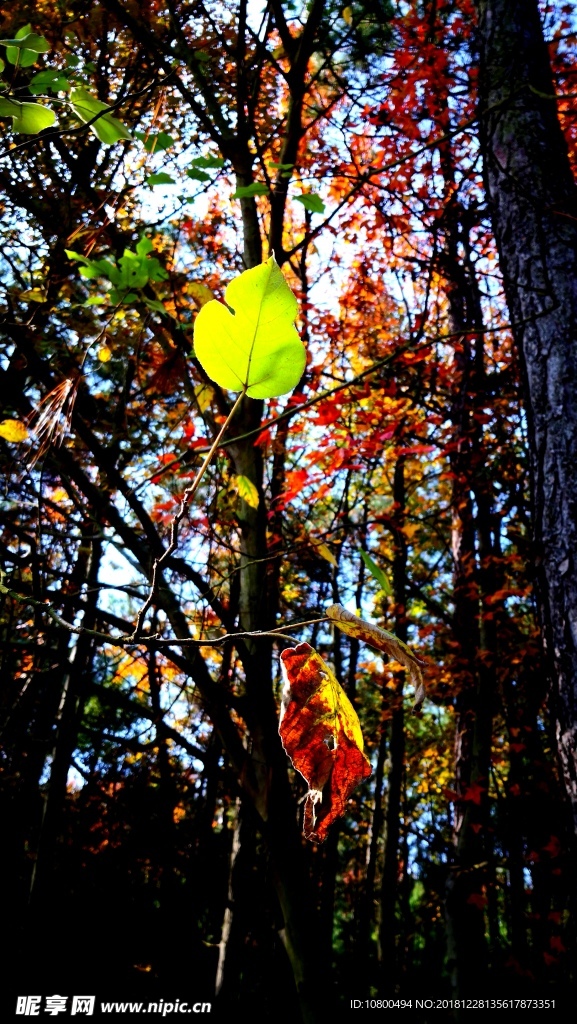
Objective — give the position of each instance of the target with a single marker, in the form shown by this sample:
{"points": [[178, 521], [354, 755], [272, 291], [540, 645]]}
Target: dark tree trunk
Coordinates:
{"points": [[534, 210], [388, 930], [474, 558], [69, 716]]}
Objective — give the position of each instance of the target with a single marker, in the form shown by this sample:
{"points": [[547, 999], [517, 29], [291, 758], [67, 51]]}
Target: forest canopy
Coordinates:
{"points": [[288, 428]]}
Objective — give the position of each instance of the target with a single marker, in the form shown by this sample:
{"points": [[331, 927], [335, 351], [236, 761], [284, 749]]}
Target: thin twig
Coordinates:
{"points": [[187, 496], [126, 641]]}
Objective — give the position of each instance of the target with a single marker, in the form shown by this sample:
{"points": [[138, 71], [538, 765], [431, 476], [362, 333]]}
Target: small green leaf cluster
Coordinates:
{"points": [[133, 272], [30, 118]]}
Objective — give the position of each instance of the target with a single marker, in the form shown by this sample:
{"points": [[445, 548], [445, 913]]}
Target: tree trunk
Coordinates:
{"points": [[534, 211], [389, 882], [69, 716]]}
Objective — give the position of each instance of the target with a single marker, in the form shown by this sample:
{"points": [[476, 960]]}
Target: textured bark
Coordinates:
{"points": [[534, 210]]}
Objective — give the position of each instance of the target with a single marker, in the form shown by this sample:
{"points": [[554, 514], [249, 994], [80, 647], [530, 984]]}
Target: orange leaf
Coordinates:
{"points": [[321, 734]]}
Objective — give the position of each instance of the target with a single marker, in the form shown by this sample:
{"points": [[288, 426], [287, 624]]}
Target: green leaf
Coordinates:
{"points": [[118, 295], [29, 118], [157, 306], [25, 47], [44, 81], [207, 161], [256, 189], [27, 41], [2, 65], [72, 255], [194, 172], [325, 552], [24, 58], [144, 246], [311, 202], [107, 128], [377, 573], [161, 178], [280, 167], [155, 143], [252, 343]]}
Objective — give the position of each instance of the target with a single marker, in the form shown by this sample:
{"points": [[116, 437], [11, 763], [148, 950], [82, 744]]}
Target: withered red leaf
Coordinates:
{"points": [[321, 734]]}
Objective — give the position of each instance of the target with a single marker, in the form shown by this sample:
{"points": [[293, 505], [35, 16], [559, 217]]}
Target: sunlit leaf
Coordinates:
{"points": [[48, 81], [104, 354], [28, 118], [107, 128], [13, 431], [245, 490], [253, 343], [325, 552], [24, 48], [144, 246], [321, 734], [383, 641], [27, 41], [33, 295], [204, 396], [200, 293]]}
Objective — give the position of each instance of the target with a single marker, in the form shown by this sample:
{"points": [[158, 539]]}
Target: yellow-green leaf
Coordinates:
{"points": [[245, 489], [107, 128], [13, 431], [204, 396], [200, 293], [325, 552], [251, 344]]}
